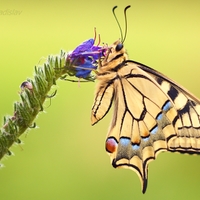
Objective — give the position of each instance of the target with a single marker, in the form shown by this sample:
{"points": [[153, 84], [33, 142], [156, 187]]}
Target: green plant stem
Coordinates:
{"points": [[33, 94]]}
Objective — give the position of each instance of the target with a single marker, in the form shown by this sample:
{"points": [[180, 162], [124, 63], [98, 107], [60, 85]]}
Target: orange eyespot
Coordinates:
{"points": [[111, 145]]}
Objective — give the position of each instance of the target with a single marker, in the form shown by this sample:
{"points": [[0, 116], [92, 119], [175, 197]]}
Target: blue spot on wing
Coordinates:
{"points": [[146, 139], [159, 117], [154, 130], [124, 141], [135, 146], [167, 106]]}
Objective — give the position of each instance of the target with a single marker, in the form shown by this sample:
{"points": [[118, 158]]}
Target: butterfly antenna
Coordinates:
{"points": [[99, 40], [125, 16], [95, 33], [113, 10]]}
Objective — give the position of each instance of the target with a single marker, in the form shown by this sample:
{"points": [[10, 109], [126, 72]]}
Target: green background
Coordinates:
{"points": [[65, 157]]}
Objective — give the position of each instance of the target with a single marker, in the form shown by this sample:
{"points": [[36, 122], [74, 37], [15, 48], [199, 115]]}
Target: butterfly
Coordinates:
{"points": [[151, 114]]}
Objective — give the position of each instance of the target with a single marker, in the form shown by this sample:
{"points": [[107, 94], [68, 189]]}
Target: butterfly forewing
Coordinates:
{"points": [[151, 113]]}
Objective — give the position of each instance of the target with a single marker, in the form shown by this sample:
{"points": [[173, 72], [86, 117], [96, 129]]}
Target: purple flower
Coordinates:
{"points": [[85, 57]]}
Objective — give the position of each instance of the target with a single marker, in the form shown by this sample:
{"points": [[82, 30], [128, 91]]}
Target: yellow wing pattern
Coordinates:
{"points": [[151, 113]]}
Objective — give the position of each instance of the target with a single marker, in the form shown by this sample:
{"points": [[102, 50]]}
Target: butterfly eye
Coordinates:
{"points": [[119, 47]]}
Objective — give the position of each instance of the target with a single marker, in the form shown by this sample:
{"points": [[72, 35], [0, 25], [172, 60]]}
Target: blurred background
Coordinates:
{"points": [[65, 157]]}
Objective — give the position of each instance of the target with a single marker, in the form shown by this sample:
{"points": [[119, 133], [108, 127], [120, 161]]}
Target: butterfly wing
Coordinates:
{"points": [[187, 139], [151, 114]]}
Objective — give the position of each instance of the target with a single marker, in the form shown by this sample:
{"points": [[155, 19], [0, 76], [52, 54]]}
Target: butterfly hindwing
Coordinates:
{"points": [[187, 139]]}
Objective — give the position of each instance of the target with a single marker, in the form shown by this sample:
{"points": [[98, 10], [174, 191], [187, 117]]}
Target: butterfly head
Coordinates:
{"points": [[114, 56]]}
